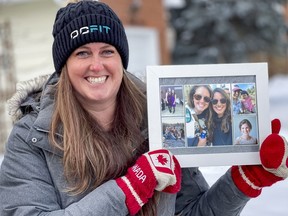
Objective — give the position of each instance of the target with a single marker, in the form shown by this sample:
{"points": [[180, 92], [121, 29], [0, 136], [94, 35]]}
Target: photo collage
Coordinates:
{"points": [[209, 115]]}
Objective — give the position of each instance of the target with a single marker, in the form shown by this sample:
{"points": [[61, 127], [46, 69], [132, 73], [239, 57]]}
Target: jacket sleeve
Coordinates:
{"points": [[26, 187], [196, 198]]}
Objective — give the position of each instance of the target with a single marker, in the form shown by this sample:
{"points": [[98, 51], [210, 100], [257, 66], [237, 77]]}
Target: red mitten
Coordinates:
{"points": [[155, 170], [274, 158]]}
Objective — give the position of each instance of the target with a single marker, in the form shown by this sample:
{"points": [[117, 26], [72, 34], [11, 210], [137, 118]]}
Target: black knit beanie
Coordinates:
{"points": [[85, 22]]}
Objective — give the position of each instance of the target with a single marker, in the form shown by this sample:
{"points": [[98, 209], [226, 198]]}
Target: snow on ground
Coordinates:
{"points": [[278, 97], [273, 200]]}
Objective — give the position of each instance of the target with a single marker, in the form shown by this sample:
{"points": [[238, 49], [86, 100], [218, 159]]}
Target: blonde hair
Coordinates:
{"points": [[92, 155]]}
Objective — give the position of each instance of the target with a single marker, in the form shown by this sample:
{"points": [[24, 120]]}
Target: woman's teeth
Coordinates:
{"points": [[96, 79]]}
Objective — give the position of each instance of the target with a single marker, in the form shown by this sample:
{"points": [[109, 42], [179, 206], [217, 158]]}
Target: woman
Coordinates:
{"points": [[237, 105], [171, 100], [197, 115], [221, 126], [78, 144], [245, 127]]}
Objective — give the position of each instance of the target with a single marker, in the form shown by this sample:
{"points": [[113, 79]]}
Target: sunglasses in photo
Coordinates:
{"points": [[222, 101], [199, 97]]}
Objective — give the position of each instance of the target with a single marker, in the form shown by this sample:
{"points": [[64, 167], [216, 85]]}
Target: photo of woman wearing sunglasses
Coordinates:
{"points": [[220, 129], [198, 115]]}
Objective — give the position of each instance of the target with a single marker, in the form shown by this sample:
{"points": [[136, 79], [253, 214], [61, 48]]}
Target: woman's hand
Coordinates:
{"points": [[155, 170], [202, 142], [274, 158]]}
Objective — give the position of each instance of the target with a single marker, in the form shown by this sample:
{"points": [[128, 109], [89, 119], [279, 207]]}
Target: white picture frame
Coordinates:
{"points": [[252, 75]]}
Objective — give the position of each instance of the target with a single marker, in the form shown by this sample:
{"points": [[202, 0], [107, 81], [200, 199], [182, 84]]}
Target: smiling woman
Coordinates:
{"points": [[221, 125], [80, 146], [89, 115], [197, 110], [95, 71]]}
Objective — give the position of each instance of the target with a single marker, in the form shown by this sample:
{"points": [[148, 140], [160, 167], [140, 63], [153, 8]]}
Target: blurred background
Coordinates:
{"points": [[159, 32]]}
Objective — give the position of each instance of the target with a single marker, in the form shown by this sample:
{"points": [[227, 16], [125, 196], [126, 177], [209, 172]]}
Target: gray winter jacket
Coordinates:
{"points": [[32, 182]]}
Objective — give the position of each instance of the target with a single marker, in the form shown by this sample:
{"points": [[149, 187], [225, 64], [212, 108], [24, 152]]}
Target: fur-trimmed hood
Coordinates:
{"points": [[26, 93]]}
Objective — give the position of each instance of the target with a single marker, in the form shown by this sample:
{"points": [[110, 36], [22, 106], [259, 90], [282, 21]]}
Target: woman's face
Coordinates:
{"points": [[201, 99], [95, 71], [235, 94], [219, 104], [245, 129]]}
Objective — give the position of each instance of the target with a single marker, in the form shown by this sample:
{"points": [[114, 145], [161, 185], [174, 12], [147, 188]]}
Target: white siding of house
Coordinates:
{"points": [[31, 24]]}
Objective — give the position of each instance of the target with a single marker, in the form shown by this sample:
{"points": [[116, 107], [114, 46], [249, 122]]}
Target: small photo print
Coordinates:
{"points": [[244, 98], [171, 100], [245, 128], [197, 102], [173, 132]]}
